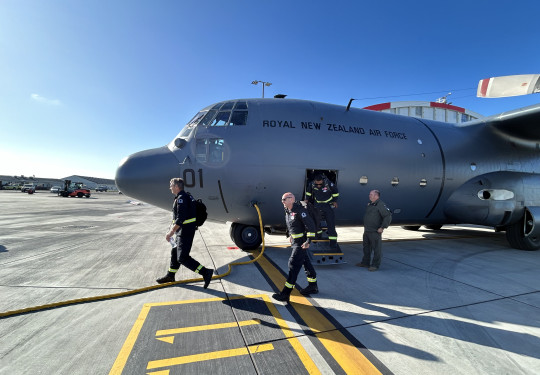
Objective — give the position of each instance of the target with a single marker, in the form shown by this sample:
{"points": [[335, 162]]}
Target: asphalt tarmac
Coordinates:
{"points": [[454, 301]]}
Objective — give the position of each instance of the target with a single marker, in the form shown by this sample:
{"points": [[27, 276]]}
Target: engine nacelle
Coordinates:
{"points": [[495, 199]]}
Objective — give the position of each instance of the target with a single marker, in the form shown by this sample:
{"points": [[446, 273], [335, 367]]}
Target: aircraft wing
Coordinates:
{"points": [[522, 125]]}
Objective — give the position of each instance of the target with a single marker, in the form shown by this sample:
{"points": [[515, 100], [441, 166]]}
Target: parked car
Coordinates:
{"points": [[55, 189], [101, 188], [11, 187], [27, 187]]}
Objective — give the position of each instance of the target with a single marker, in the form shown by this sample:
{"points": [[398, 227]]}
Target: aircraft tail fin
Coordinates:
{"points": [[514, 85]]}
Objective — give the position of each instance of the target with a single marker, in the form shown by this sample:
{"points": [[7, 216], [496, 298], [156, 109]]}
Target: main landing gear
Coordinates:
{"points": [[522, 235]]}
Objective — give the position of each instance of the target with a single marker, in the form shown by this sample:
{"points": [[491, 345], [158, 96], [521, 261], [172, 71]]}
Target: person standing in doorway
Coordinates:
{"points": [[324, 195]]}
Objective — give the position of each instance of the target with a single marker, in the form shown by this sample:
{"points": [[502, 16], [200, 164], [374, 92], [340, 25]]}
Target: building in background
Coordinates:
{"points": [[42, 183], [438, 111]]}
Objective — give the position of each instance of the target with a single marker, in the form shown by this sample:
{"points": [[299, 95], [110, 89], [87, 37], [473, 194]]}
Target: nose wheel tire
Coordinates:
{"points": [[246, 237]]}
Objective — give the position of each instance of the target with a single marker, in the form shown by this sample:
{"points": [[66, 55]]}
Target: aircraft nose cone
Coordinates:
{"points": [[145, 176]]}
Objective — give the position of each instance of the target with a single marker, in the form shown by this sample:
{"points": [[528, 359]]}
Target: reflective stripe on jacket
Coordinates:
{"points": [[184, 211], [299, 223]]}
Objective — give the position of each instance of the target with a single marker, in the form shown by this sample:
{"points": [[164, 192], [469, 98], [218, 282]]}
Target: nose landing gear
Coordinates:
{"points": [[246, 237]]}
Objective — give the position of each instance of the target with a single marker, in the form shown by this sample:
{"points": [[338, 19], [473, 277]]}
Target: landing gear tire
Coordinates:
{"points": [[516, 237], [411, 227], [433, 226], [246, 237]]}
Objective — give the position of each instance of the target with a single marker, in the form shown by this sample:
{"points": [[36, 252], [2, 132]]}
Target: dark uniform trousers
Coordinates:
{"points": [[372, 242], [180, 253], [299, 258], [330, 217]]}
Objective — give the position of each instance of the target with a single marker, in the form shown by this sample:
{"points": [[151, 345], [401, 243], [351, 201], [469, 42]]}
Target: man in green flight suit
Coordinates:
{"points": [[376, 220]]}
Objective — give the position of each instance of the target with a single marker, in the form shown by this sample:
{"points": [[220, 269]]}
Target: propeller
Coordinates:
{"points": [[515, 85]]}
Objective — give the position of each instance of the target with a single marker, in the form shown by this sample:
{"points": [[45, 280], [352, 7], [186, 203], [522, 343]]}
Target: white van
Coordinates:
{"points": [[27, 187]]}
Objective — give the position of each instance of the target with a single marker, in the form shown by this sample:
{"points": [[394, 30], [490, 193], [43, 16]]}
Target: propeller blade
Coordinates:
{"points": [[515, 85]]}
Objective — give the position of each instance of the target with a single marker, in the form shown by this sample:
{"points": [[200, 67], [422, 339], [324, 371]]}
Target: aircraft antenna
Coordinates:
{"points": [[349, 105]]}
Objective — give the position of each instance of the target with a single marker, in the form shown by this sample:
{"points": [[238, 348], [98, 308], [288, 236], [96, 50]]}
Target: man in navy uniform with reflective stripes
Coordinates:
{"points": [[301, 230], [324, 195], [184, 227]]}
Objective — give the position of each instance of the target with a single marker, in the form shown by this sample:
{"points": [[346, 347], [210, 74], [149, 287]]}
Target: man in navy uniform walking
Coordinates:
{"points": [[301, 230], [184, 227]]}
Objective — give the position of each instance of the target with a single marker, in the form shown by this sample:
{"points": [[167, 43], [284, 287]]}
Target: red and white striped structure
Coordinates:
{"points": [[428, 110]]}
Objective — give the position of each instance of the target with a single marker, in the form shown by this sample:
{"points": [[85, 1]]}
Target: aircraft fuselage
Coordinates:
{"points": [[428, 172]]}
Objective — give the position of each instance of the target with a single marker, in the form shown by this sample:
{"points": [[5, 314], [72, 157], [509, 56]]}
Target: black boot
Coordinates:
{"points": [[168, 278], [311, 289], [333, 244], [284, 295], [207, 274]]}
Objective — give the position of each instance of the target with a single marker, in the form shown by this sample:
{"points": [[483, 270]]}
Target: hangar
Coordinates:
{"points": [[439, 110]]}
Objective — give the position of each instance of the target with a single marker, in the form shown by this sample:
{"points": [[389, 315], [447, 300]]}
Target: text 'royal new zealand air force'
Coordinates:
{"points": [[333, 128]]}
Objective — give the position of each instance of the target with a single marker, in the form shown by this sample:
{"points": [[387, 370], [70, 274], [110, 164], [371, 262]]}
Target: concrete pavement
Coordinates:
{"points": [[455, 301]]}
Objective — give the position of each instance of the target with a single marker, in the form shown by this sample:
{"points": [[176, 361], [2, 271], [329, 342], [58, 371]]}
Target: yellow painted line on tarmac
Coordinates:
{"points": [[209, 356], [163, 372], [206, 327], [167, 339], [291, 338], [123, 356], [351, 360]]}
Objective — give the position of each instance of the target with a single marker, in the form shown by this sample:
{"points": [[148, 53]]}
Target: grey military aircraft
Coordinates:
{"points": [[235, 153]]}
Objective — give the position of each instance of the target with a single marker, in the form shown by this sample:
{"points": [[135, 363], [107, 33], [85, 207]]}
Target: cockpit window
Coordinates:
{"points": [[195, 120], [207, 120], [222, 114], [226, 116], [241, 105], [185, 133], [238, 118], [230, 113], [221, 119], [227, 105]]}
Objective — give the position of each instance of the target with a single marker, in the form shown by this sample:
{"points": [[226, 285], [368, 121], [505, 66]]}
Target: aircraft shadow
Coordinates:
{"points": [[448, 315]]}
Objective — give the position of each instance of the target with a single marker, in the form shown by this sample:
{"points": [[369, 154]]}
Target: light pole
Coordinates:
{"points": [[263, 84]]}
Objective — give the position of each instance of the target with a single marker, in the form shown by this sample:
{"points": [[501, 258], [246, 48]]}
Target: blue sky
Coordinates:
{"points": [[85, 83]]}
